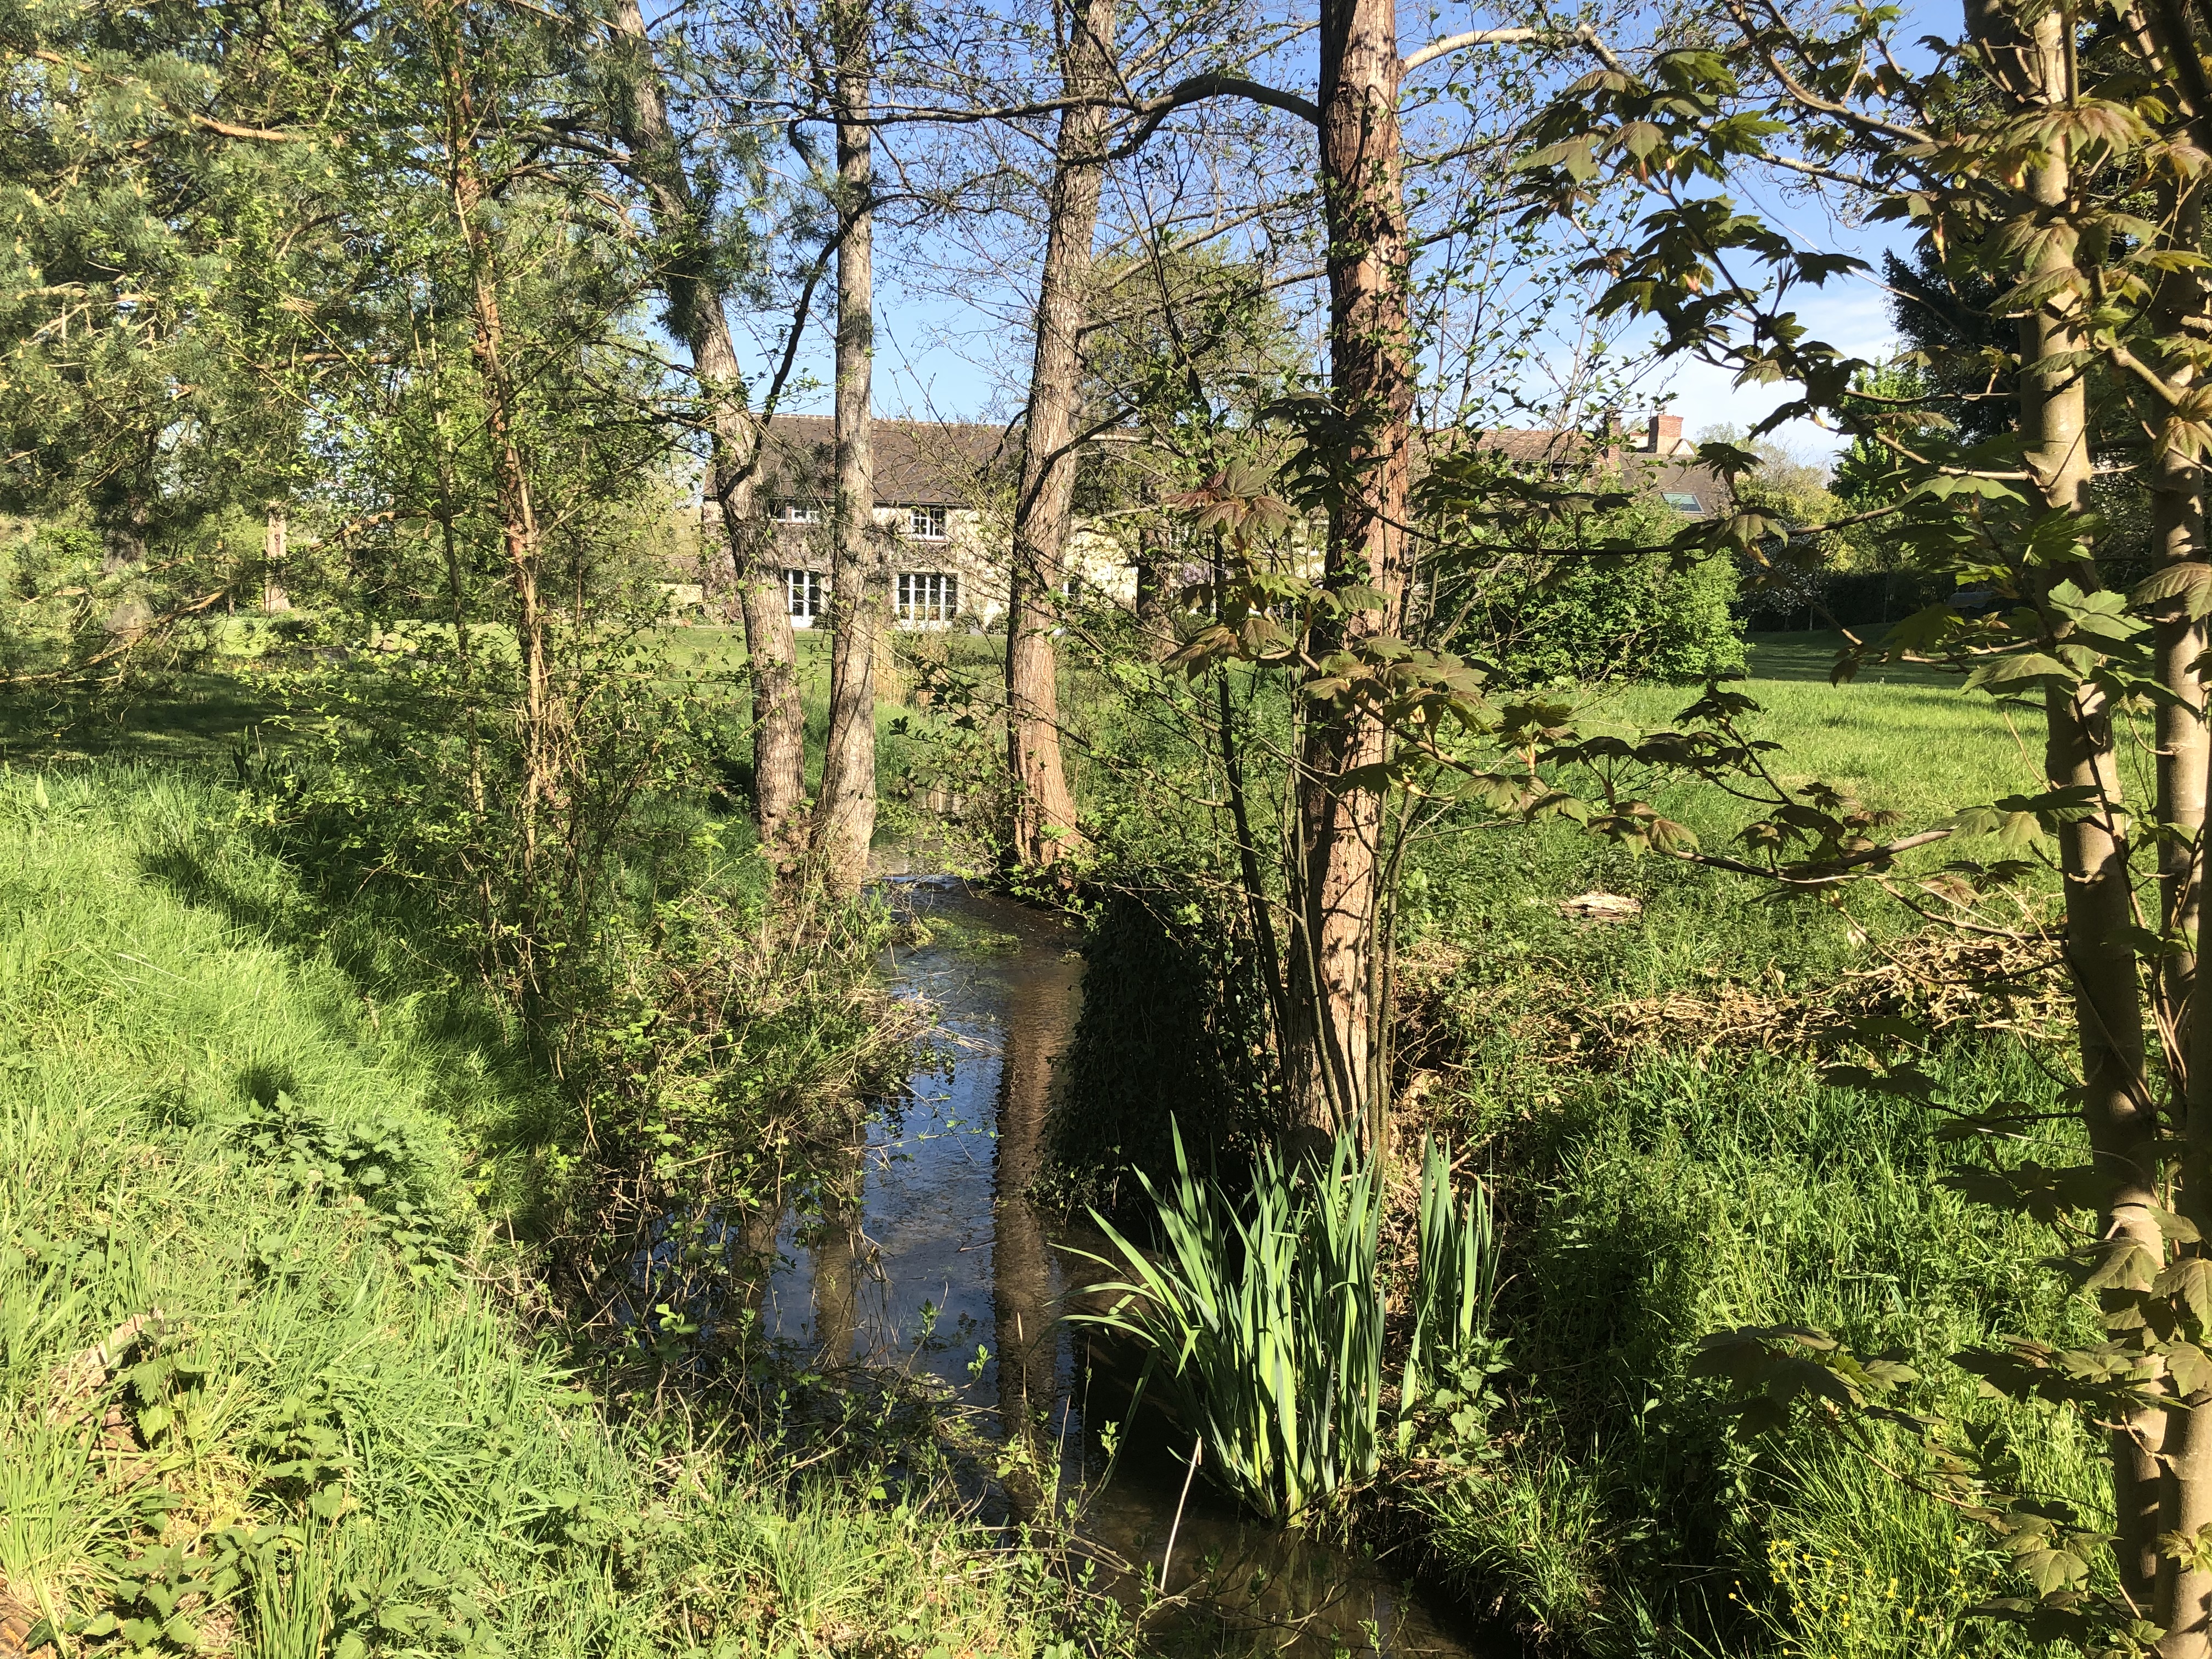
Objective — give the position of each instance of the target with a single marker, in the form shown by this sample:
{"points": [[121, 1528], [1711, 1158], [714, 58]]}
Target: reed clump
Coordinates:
{"points": [[1263, 1314]]}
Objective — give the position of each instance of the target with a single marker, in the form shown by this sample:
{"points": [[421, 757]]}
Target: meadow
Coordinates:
{"points": [[1669, 1160], [271, 1347]]}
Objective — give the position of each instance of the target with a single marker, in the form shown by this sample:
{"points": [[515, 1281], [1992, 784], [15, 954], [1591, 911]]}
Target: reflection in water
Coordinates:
{"points": [[929, 1255], [1036, 1019]]}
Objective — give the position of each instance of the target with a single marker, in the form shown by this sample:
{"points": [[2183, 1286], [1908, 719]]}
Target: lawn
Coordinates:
{"points": [[1910, 741]]}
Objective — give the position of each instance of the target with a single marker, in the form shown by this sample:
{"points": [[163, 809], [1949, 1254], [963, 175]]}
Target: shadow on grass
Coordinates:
{"points": [[1812, 656], [507, 1105], [192, 717]]}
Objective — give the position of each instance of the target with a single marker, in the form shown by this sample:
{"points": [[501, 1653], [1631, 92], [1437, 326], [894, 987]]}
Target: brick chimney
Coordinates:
{"points": [[1664, 435]]}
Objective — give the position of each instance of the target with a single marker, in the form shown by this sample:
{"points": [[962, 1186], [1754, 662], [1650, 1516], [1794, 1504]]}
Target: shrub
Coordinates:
{"points": [[1556, 620]]}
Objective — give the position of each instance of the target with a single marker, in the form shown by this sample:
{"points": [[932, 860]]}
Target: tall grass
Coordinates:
{"points": [[1265, 1318], [236, 1388]]}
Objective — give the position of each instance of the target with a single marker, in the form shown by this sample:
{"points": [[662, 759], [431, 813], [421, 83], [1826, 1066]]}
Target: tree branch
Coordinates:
{"points": [[1198, 87], [1583, 35]]}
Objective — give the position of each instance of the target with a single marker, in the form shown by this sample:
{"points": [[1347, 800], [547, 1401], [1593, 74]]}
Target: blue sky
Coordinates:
{"points": [[963, 356]]}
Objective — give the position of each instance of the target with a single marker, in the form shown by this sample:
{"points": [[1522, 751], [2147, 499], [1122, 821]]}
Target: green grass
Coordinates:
{"points": [[1681, 1193], [1682, 1179], [161, 982], [1668, 1162], [1812, 656], [337, 1423], [1905, 740]]}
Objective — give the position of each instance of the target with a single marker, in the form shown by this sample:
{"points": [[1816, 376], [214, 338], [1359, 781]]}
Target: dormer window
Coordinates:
{"points": [[797, 513], [925, 523]]}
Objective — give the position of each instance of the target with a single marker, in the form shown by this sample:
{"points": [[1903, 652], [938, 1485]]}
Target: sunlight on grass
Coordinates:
{"points": [[254, 1338], [1914, 743]]}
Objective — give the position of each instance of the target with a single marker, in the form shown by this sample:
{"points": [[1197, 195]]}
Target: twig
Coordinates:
{"points": [[1197, 1450]]}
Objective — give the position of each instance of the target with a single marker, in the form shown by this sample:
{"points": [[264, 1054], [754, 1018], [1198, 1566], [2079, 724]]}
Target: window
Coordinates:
{"points": [[927, 597], [802, 595], [797, 513], [1682, 501], [925, 522]]}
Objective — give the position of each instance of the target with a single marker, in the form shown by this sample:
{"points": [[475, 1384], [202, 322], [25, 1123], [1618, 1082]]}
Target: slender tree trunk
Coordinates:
{"points": [[1043, 826], [696, 304], [1334, 886], [2178, 644], [2181, 1601], [1154, 624], [544, 748], [274, 599], [2033, 65], [845, 814], [123, 535]]}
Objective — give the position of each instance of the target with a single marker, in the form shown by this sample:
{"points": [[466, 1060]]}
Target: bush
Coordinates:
{"points": [[1549, 620]]}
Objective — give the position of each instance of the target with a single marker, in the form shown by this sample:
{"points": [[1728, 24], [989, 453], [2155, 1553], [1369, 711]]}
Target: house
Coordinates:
{"points": [[943, 511], [1658, 457]]}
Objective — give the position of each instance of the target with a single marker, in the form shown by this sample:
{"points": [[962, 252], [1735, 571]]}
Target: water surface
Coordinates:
{"points": [[933, 1258]]}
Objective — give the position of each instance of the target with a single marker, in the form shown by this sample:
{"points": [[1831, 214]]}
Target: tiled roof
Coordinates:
{"points": [[918, 462], [954, 464]]}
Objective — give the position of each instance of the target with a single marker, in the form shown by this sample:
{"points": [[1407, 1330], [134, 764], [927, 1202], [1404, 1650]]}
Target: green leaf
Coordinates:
{"points": [[2121, 1264], [2189, 1281], [2189, 1366], [2191, 581], [2013, 672], [2052, 1570]]}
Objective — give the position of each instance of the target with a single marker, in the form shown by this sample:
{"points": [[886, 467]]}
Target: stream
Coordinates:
{"points": [[937, 1262]]}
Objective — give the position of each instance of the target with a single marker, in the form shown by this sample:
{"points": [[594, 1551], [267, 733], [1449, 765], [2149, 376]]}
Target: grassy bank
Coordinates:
{"points": [[252, 1108], [1669, 1162], [1647, 1097], [266, 1387]]}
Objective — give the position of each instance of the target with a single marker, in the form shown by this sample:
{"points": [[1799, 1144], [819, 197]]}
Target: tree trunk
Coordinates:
{"points": [[1334, 886], [2181, 1602], [698, 315], [1043, 820], [845, 815], [2183, 310], [124, 523], [274, 599], [1155, 625], [544, 748], [2033, 65]]}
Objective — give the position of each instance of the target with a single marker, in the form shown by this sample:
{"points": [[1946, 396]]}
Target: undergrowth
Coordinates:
{"points": [[266, 1387], [1646, 1097]]}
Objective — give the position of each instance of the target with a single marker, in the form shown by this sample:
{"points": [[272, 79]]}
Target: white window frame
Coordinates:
{"points": [[925, 524], [803, 592], [927, 596], [791, 512]]}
